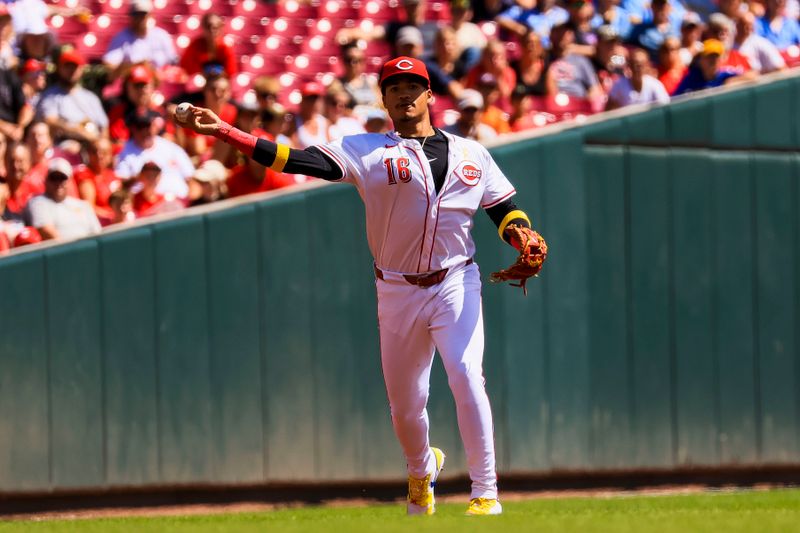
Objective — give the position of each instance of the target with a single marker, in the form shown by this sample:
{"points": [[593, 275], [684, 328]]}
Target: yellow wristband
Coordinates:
{"points": [[281, 157], [509, 217]]}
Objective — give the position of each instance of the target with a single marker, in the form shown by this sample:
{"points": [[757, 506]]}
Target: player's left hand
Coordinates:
{"points": [[532, 254]]}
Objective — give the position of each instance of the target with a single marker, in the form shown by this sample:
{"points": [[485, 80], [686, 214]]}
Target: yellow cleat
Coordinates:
{"points": [[420, 491], [484, 507]]}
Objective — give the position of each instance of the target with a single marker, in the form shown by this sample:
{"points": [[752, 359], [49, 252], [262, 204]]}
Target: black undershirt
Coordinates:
{"points": [[313, 162]]}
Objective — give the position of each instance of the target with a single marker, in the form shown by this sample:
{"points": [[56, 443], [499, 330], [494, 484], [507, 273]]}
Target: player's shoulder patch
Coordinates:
{"points": [[469, 172]]}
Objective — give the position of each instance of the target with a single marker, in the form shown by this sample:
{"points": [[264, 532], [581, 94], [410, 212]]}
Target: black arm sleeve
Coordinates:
{"points": [[311, 161], [498, 212]]}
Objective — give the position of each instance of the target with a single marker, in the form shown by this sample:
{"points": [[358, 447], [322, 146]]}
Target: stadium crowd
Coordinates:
{"points": [[86, 86]]}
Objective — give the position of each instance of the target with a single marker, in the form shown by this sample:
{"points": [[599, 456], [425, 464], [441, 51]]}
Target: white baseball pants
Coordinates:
{"points": [[447, 316]]}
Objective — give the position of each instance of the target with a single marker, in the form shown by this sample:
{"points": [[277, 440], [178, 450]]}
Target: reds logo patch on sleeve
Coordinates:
{"points": [[469, 172]]}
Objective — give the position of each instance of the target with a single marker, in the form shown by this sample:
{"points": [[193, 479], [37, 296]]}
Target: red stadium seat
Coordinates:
{"points": [[438, 11], [337, 9], [188, 25], [168, 8], [255, 8], [114, 7], [296, 9], [379, 11]]}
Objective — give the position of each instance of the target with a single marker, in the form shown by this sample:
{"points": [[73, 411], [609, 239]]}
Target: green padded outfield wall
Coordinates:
{"points": [[240, 346]]}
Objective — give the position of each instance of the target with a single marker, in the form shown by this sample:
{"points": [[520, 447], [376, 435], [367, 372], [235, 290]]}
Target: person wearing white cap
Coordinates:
{"points": [[468, 124], [57, 215], [140, 42]]}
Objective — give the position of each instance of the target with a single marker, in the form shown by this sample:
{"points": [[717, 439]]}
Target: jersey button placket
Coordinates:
{"points": [[433, 207]]}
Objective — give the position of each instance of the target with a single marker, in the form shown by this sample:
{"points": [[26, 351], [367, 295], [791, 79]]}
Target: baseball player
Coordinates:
{"points": [[421, 187]]}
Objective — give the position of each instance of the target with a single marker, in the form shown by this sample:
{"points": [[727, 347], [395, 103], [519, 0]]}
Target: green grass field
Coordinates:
{"points": [[746, 511]]}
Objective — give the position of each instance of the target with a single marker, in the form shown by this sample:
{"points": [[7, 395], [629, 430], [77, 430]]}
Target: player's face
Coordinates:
{"points": [[406, 99]]}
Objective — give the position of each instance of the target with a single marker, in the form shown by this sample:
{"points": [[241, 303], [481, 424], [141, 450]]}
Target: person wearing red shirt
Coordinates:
{"points": [[210, 47], [137, 92], [97, 180], [147, 201], [494, 61], [22, 185], [217, 97], [671, 69], [251, 177]]}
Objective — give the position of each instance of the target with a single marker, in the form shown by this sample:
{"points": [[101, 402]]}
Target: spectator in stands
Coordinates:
{"points": [[609, 13], [637, 86], [470, 40], [362, 87], [533, 15], [338, 111], [3, 146], [209, 47], [522, 112], [609, 59], [581, 13], [33, 37], [531, 66], [409, 42], [776, 27], [494, 61], [267, 89], [706, 73], [488, 10], [251, 177], [40, 144], [97, 180], [732, 8], [414, 16], [15, 112], [22, 186], [56, 214], [248, 118], [274, 123], [671, 69], [569, 73], [763, 56], [34, 81], [151, 198], [71, 111], [468, 124], [8, 57], [140, 42], [691, 37], [722, 29], [146, 146], [311, 126], [492, 115], [376, 121], [210, 177], [445, 67], [137, 92], [217, 97], [649, 35], [121, 204]]}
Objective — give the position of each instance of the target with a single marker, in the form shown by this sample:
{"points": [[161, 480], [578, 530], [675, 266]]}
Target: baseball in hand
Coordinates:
{"points": [[182, 111]]}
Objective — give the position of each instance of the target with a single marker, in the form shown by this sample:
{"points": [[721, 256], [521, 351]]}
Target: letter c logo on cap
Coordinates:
{"points": [[404, 64]]}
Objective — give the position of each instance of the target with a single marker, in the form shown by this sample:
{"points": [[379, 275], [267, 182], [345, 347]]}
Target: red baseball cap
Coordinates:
{"points": [[33, 65], [28, 235], [312, 88], [140, 74], [71, 56], [404, 65]]}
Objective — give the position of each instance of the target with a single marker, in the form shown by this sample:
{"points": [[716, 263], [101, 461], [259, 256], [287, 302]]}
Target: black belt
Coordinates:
{"points": [[428, 279]]}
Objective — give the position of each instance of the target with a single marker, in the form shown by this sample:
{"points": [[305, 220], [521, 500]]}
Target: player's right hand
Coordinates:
{"points": [[200, 119]]}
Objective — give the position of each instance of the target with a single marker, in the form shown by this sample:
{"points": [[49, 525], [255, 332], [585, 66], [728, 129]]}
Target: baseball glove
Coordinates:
{"points": [[532, 253]]}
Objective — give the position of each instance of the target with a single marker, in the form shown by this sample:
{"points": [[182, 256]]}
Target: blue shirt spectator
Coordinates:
{"points": [[540, 19], [609, 13], [705, 73], [785, 32], [650, 35]]}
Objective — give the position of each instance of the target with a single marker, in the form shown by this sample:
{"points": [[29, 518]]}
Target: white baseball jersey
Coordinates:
{"points": [[411, 228]]}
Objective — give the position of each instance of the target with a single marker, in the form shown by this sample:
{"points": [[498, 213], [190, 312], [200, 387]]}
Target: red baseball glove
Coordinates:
{"points": [[532, 253]]}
